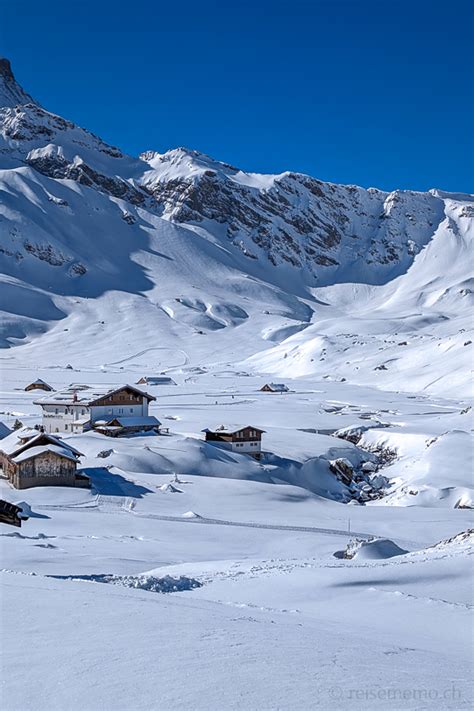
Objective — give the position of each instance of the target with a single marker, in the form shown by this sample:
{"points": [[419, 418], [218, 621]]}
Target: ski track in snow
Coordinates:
{"points": [[112, 504]]}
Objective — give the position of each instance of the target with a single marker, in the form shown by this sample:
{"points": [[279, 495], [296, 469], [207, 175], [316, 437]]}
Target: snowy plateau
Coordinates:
{"points": [[334, 573]]}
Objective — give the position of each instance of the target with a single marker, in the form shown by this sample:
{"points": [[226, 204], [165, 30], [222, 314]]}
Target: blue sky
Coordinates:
{"points": [[369, 92]]}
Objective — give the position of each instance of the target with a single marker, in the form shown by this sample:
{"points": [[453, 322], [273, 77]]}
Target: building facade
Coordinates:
{"points": [[30, 458], [244, 439], [80, 407]]}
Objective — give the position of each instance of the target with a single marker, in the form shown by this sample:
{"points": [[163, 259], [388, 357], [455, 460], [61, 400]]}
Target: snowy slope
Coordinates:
{"points": [[414, 332]]}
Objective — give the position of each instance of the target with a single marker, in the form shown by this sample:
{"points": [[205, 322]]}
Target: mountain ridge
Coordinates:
{"points": [[81, 220]]}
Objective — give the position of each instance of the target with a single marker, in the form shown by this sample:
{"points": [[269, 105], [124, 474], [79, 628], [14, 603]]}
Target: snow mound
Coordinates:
{"points": [[26, 511], [373, 549]]}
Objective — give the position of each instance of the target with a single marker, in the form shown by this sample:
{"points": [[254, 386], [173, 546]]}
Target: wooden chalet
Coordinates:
{"points": [[31, 458], [274, 388], [243, 439], [39, 385]]}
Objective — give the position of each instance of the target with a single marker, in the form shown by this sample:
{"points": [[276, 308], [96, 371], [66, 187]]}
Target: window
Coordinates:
{"points": [[56, 411], [65, 427], [131, 409]]}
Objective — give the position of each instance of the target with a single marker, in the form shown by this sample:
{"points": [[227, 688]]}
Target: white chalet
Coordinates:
{"points": [[80, 407]]}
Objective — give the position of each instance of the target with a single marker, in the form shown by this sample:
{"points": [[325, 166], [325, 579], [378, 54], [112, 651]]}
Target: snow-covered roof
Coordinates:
{"points": [[278, 387], [25, 438], [136, 421], [80, 394], [32, 452], [157, 380], [13, 441], [4, 430], [81, 421], [231, 429], [39, 383]]}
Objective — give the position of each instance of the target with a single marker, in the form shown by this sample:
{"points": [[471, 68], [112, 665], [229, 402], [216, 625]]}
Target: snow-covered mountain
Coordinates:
{"points": [[283, 271], [115, 267]]}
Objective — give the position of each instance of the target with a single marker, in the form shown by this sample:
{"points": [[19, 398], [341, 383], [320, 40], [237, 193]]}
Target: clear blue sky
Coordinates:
{"points": [[373, 92]]}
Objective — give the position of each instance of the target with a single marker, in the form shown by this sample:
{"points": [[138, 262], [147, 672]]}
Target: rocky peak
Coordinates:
{"points": [[11, 93]]}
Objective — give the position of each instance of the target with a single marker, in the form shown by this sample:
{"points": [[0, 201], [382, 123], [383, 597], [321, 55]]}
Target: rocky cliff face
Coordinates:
{"points": [[11, 93], [294, 219]]}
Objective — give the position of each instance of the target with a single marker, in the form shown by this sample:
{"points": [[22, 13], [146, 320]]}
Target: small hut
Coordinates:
{"points": [[156, 380], [31, 458], [274, 388], [39, 385]]}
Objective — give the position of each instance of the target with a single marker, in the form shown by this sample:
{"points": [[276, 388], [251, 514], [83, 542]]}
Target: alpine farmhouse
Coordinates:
{"points": [[243, 439], [80, 407], [39, 385], [274, 388], [31, 458]]}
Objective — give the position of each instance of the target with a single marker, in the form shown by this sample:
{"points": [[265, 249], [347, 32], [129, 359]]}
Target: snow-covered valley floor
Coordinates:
{"points": [[227, 589]]}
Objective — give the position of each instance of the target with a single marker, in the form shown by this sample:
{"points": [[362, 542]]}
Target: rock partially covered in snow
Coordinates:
{"points": [[105, 453], [343, 469], [169, 488], [354, 433], [373, 549]]}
